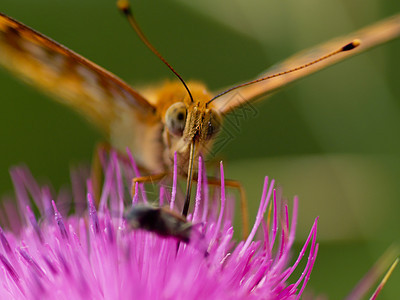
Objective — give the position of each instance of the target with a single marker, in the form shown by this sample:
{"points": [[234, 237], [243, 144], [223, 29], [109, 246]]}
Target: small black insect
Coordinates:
{"points": [[160, 220]]}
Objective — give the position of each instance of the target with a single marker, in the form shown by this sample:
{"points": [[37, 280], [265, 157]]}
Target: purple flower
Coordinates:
{"points": [[74, 253]]}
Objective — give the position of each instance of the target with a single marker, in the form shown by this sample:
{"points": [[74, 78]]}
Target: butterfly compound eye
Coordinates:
{"points": [[213, 125], [175, 118]]}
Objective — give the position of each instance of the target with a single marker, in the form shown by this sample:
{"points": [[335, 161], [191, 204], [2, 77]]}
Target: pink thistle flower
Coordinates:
{"points": [[95, 254]]}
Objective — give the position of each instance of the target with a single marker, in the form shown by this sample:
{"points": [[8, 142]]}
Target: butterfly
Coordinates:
{"points": [[172, 118]]}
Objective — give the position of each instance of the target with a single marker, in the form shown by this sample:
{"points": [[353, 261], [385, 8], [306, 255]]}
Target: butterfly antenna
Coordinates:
{"points": [[348, 47], [124, 7]]}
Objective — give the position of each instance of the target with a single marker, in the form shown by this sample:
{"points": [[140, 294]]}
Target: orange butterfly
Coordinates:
{"points": [[156, 123]]}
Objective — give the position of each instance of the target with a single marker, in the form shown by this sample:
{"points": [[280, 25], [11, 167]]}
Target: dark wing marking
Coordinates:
{"points": [[70, 78]]}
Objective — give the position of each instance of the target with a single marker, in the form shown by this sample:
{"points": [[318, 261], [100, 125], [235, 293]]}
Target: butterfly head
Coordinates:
{"points": [[193, 123], [187, 122]]}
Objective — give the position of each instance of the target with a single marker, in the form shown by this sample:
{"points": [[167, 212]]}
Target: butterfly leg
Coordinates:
{"points": [[243, 199], [146, 179]]}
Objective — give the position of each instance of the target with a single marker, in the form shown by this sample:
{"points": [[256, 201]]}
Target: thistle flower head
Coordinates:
{"points": [[94, 253]]}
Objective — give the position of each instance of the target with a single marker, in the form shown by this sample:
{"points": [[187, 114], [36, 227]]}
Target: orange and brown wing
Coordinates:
{"points": [[371, 36], [70, 78]]}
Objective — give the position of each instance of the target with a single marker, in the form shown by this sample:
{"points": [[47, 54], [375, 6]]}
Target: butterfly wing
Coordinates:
{"points": [[370, 36], [70, 78]]}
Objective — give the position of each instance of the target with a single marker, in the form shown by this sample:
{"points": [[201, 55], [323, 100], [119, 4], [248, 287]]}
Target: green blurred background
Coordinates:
{"points": [[332, 139]]}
